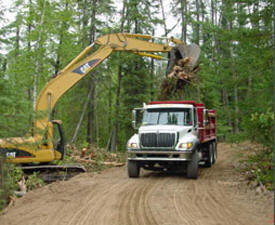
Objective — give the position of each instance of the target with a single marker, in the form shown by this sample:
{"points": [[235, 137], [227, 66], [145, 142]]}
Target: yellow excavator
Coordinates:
{"points": [[40, 147]]}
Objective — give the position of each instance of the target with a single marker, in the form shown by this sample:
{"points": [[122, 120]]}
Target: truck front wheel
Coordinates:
{"points": [[193, 167], [133, 169]]}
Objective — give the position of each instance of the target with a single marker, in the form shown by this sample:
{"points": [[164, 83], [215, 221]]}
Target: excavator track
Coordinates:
{"points": [[51, 173]]}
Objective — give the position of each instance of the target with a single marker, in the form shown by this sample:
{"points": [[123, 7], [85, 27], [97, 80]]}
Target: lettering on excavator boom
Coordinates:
{"points": [[10, 155], [84, 68]]}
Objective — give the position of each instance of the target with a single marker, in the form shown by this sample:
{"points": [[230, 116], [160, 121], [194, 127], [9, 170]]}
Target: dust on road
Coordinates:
{"points": [[219, 196]]}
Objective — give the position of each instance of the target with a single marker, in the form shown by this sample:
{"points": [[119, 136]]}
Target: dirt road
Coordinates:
{"points": [[219, 196]]}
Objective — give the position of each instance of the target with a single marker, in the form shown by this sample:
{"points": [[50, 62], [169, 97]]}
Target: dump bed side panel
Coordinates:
{"points": [[208, 126]]}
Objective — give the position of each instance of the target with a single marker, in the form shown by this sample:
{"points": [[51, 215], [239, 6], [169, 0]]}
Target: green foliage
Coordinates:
{"points": [[260, 127], [34, 181], [9, 176], [261, 167], [235, 78]]}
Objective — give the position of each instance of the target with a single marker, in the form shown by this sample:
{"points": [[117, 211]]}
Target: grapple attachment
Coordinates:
{"points": [[181, 69], [183, 56]]}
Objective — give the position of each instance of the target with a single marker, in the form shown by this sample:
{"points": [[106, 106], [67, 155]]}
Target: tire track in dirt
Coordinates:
{"points": [[215, 198], [153, 199], [201, 204], [95, 200], [134, 207], [144, 205], [181, 213], [101, 212]]}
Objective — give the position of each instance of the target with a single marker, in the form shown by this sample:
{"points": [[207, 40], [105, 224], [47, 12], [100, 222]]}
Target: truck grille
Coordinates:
{"points": [[164, 140]]}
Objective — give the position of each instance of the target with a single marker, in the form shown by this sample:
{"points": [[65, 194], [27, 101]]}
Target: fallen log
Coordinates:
{"points": [[107, 163]]}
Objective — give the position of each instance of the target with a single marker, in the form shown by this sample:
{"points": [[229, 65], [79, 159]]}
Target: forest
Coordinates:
{"points": [[235, 77]]}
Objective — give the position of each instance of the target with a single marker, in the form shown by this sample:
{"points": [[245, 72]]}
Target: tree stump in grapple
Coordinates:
{"points": [[181, 70]]}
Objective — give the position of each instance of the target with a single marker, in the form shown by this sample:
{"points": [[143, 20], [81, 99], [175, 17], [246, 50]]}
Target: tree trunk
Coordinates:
{"points": [[197, 39], [226, 106], [82, 115], [183, 7], [236, 98], [115, 131], [152, 68], [91, 113], [91, 109], [114, 134], [110, 102], [31, 119], [17, 42], [164, 19], [39, 58]]}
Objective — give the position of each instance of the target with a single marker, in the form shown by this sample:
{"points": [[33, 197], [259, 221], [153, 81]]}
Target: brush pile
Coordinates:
{"points": [[181, 70]]}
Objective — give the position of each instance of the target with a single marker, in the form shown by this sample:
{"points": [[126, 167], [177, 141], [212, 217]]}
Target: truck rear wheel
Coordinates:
{"points": [[193, 167], [210, 158], [215, 152], [133, 169]]}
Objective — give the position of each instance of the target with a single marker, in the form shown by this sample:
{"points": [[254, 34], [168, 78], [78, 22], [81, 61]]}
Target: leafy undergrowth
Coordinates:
{"points": [[94, 159], [34, 181], [257, 163], [260, 167], [15, 184]]}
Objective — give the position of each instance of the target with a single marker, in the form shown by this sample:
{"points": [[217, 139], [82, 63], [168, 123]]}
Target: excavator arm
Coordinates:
{"points": [[81, 66], [40, 147]]}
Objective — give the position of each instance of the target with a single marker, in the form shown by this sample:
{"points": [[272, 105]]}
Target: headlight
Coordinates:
{"points": [[132, 145], [186, 146]]}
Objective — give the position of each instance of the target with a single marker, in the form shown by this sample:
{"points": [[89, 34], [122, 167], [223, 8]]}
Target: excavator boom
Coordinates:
{"points": [[80, 66], [34, 148]]}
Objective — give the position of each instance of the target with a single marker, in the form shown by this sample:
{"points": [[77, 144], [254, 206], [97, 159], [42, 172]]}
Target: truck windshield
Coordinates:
{"points": [[180, 116]]}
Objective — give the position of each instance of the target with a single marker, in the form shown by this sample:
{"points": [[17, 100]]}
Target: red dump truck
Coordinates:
{"points": [[172, 135]]}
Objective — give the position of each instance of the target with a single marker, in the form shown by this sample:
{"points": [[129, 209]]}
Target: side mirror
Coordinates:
{"points": [[134, 121], [134, 124], [137, 117]]}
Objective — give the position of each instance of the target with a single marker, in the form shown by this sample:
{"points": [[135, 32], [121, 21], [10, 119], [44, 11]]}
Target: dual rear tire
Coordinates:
{"points": [[211, 154]]}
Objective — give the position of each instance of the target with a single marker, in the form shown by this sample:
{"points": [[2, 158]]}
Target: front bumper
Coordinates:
{"points": [[142, 155]]}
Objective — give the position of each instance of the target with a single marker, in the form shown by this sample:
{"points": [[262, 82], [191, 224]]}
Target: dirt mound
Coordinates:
{"points": [[219, 196]]}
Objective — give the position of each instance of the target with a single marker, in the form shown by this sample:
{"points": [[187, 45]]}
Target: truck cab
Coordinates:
{"points": [[172, 135]]}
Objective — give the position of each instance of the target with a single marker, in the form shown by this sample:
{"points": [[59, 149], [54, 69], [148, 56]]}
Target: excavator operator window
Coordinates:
{"points": [[58, 138], [45, 138]]}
